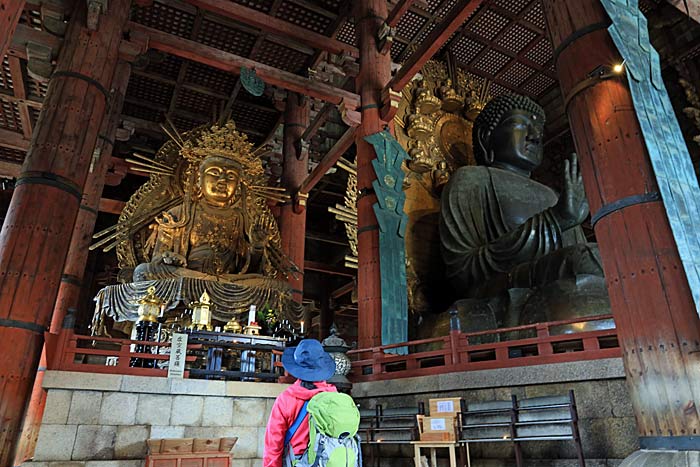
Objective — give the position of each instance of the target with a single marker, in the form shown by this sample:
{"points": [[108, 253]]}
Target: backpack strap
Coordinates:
{"points": [[297, 423]]}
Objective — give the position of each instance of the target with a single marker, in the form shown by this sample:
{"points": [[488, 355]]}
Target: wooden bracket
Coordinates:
{"points": [[134, 49], [53, 17], [300, 200], [350, 116], [385, 38], [390, 104], [39, 61]]}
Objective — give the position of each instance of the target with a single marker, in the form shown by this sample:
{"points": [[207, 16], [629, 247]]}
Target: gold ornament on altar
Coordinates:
{"points": [[150, 306], [201, 313], [233, 326]]}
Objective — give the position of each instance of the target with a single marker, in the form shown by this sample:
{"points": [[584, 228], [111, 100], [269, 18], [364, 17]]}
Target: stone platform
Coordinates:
{"points": [[97, 420]]}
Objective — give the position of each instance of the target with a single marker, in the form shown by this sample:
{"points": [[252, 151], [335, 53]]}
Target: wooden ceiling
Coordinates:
{"points": [[504, 41]]}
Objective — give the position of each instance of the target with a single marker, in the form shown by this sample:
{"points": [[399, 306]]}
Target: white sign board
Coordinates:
{"points": [[445, 406], [437, 424], [178, 352]]}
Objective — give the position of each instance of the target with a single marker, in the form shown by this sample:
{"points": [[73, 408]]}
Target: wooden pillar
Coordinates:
{"points": [[658, 325], [74, 269], [10, 11], [295, 169], [36, 234], [325, 316], [375, 73]]}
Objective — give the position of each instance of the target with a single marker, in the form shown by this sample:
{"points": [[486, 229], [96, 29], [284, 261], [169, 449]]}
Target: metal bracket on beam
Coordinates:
{"points": [[385, 38], [95, 9]]}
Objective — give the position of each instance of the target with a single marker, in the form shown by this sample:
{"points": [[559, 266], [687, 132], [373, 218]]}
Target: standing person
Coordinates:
{"points": [[312, 366]]}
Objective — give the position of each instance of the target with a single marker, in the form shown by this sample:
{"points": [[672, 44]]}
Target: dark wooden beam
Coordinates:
{"points": [[9, 169], [325, 238], [345, 289], [329, 160], [398, 11], [231, 63], [328, 269], [111, 206], [435, 40], [13, 140], [274, 25]]}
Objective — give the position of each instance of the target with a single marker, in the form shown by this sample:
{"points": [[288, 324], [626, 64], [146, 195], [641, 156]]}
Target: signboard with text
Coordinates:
{"points": [[178, 352]]}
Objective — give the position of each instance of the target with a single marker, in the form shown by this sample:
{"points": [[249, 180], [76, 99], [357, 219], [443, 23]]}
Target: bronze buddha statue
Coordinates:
{"points": [[514, 249]]}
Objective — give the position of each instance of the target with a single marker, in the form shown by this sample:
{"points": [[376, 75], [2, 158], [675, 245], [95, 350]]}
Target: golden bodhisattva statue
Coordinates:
{"points": [[201, 224]]}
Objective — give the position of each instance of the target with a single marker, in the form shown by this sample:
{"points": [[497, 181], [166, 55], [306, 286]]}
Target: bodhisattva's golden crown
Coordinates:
{"points": [[225, 142]]}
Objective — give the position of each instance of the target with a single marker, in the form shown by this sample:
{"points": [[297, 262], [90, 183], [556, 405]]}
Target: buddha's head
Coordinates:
{"points": [[508, 133], [218, 180]]}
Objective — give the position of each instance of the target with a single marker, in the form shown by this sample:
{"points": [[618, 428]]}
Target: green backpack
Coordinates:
{"points": [[333, 440]]}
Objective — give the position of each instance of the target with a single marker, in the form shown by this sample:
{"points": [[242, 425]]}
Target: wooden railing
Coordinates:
{"points": [[536, 344], [73, 352]]}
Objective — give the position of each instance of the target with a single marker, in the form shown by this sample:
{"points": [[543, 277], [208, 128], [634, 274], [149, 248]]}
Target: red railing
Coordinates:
{"points": [[535, 344], [73, 352]]}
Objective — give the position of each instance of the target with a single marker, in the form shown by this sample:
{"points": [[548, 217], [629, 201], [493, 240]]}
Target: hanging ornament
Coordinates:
{"points": [[251, 82]]}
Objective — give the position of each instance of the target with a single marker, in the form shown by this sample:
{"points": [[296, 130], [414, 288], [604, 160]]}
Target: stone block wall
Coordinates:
{"points": [[607, 425], [98, 420]]}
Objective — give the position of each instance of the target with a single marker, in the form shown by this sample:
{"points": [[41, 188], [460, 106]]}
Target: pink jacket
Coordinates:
{"points": [[284, 412]]}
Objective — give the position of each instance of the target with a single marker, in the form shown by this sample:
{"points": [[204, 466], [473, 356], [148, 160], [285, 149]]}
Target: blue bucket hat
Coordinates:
{"points": [[308, 361]]}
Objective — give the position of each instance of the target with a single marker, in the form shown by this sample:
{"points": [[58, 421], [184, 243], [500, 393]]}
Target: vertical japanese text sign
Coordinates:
{"points": [[178, 352]]}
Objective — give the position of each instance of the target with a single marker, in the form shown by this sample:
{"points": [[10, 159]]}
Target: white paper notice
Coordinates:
{"points": [[445, 406], [178, 352], [437, 424]]}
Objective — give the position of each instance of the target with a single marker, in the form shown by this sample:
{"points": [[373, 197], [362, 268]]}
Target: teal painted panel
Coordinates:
{"points": [[668, 152], [392, 228]]}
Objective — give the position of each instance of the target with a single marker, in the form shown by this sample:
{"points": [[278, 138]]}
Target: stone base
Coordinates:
{"points": [[645, 458]]}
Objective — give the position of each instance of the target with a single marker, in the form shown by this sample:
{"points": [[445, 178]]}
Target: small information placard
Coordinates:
{"points": [[437, 424], [446, 406], [178, 352]]}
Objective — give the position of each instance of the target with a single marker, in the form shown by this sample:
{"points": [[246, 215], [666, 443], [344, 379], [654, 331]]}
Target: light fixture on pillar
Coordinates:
{"points": [[618, 68], [600, 73]]}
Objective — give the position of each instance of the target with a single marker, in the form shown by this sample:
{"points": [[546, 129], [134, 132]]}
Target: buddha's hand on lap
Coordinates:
{"points": [[172, 259], [572, 208]]}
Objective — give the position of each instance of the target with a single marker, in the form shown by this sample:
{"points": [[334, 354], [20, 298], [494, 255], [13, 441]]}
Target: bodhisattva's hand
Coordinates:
{"points": [[259, 237], [572, 208], [173, 259]]}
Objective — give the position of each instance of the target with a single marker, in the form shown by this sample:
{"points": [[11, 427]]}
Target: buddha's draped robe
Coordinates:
{"points": [[487, 247]]}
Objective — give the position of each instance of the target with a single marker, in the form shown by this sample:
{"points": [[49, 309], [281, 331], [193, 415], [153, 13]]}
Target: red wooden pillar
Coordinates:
{"points": [[36, 234], [295, 168], [10, 11], [74, 269], [657, 322], [375, 73]]}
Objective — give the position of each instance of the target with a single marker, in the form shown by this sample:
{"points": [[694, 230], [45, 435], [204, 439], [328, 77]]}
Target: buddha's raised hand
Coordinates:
{"points": [[572, 208]]}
